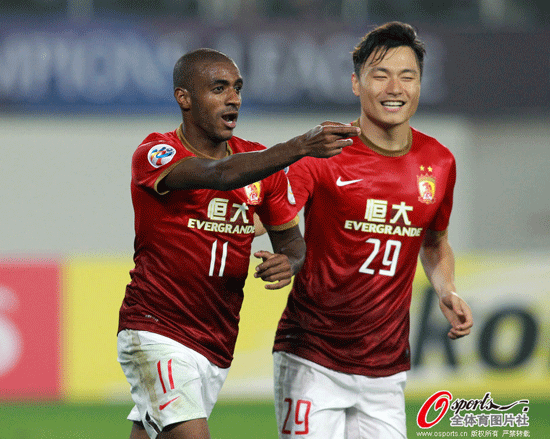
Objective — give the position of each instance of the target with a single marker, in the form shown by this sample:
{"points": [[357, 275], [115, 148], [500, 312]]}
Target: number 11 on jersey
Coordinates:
{"points": [[213, 259]]}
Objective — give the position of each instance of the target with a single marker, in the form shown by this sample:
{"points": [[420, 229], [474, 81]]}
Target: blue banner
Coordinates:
{"points": [[127, 66]]}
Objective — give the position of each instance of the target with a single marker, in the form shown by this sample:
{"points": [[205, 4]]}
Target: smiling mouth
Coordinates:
{"points": [[393, 104]]}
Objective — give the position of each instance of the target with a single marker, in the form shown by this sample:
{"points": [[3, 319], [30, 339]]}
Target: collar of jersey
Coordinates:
{"points": [[195, 151], [377, 149]]}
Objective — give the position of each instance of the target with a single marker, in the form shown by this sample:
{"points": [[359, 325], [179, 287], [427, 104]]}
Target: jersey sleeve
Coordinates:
{"points": [[278, 211], [441, 219], [154, 159], [301, 180]]}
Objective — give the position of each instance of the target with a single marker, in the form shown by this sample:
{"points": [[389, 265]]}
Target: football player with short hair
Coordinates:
{"points": [[195, 193], [342, 345]]}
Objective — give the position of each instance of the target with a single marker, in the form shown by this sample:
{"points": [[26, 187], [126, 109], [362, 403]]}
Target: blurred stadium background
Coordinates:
{"points": [[83, 81]]}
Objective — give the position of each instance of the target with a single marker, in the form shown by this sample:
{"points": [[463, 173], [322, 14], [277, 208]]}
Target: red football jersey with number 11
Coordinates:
{"points": [[192, 248], [366, 213]]}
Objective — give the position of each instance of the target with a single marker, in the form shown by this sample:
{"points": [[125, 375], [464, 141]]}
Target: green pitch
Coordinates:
{"points": [[229, 420]]}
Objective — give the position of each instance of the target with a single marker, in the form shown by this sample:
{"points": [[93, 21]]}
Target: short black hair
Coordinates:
{"points": [[385, 37], [186, 67]]}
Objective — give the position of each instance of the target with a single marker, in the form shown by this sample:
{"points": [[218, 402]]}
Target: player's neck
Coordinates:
{"points": [[202, 145], [392, 139]]}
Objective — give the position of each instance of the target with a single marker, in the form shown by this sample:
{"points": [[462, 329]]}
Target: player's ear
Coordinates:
{"points": [[183, 98], [355, 84]]}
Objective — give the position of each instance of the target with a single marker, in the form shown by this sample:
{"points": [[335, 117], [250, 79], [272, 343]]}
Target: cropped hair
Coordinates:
{"points": [[385, 37], [186, 67]]}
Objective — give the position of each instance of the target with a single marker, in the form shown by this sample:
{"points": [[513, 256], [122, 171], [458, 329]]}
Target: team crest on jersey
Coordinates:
{"points": [[253, 193], [159, 155], [426, 187]]}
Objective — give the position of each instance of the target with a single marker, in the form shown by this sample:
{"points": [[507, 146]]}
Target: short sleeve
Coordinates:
{"points": [[441, 219], [154, 159], [278, 210], [301, 180]]}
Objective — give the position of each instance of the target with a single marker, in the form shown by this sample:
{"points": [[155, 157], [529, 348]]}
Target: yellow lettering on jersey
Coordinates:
{"points": [[382, 229], [211, 226]]}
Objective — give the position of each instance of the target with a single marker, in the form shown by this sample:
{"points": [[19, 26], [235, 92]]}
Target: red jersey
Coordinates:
{"points": [[192, 248], [366, 213]]}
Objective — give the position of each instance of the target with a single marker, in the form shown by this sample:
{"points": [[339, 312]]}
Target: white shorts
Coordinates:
{"points": [[312, 401], [169, 382]]}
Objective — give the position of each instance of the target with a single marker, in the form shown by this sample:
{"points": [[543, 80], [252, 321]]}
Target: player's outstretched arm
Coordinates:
{"points": [[437, 258], [238, 170], [289, 253]]}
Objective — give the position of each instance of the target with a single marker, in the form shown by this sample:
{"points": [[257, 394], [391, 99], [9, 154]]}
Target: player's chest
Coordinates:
{"points": [[231, 206], [382, 190]]}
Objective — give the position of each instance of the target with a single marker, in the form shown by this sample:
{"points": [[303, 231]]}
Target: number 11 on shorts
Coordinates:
{"points": [[300, 417], [170, 376]]}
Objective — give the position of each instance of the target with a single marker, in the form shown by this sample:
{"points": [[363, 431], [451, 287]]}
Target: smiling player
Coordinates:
{"points": [[342, 345]]}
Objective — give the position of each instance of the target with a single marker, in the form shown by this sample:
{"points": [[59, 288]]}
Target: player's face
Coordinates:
{"points": [[216, 99], [389, 89]]}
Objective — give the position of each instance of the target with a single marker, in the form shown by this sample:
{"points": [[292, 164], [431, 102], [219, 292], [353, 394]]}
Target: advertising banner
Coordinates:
{"points": [[507, 350], [95, 287], [506, 355], [29, 330], [495, 382], [105, 67]]}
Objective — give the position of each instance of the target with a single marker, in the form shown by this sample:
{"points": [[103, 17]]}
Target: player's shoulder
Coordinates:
{"points": [[158, 148], [168, 142], [423, 140], [170, 138], [239, 144]]}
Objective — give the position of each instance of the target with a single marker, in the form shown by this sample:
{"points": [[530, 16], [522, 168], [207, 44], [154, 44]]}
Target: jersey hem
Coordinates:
{"points": [[209, 355], [353, 370]]}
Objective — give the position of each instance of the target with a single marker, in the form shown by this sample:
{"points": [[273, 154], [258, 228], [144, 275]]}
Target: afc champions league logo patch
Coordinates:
{"points": [[426, 186], [253, 193], [159, 155]]}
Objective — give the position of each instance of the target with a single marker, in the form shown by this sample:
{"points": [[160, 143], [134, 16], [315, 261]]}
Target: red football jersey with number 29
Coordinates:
{"points": [[366, 213]]}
